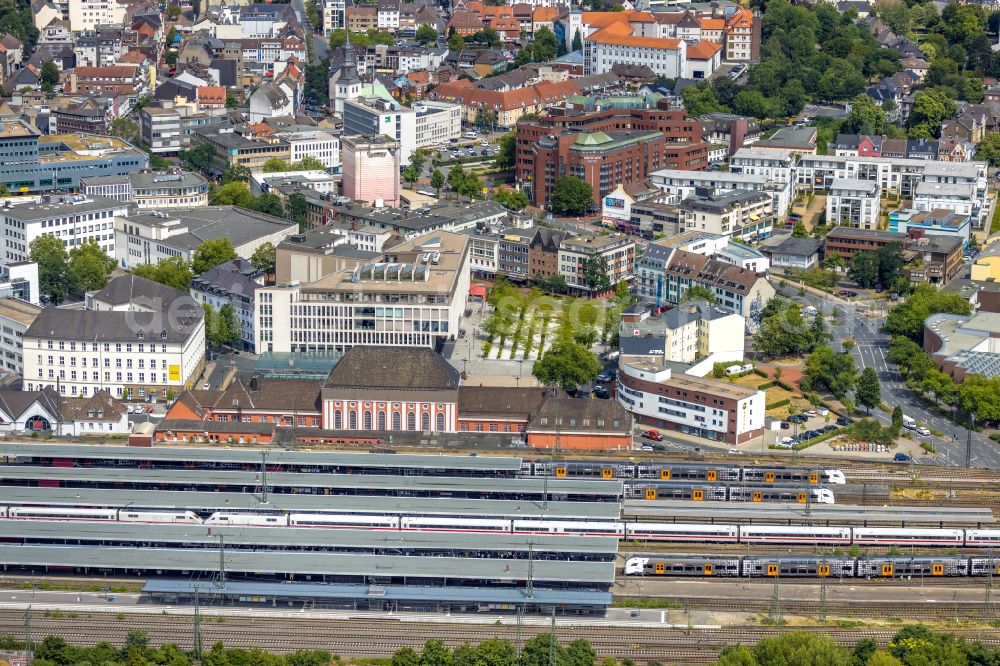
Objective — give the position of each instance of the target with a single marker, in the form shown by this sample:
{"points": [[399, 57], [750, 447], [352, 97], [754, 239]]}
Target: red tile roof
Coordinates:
{"points": [[703, 50]]}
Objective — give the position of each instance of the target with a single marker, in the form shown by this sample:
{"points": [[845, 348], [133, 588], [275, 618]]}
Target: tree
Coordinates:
{"points": [[235, 173], [818, 332], [988, 149], [49, 75], [456, 42], [236, 193], [89, 266], [426, 34], [930, 107], [753, 103], [275, 165], [883, 658], [54, 279], [435, 653], [890, 262], [4, 190], [219, 328], [699, 292], [172, 271], [869, 392], [980, 397], [230, 325], [577, 42], [410, 174], [543, 45], [496, 652], [198, 157], [437, 181], [908, 317], [800, 648], [895, 14], [570, 195], [506, 155], [595, 272], [268, 203], [211, 253], [864, 269], [799, 230], [486, 118], [866, 117], [566, 363], [580, 653], [841, 80], [263, 258], [405, 656], [173, 11], [297, 209], [126, 130], [512, 199], [540, 650], [830, 370], [700, 100]]}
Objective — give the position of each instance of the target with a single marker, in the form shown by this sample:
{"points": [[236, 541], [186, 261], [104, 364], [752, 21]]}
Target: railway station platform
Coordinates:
{"points": [[387, 598]]}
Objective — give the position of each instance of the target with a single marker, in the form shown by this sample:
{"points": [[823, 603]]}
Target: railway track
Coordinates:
{"points": [[382, 637]]}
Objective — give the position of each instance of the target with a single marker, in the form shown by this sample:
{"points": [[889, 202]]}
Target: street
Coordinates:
{"points": [[871, 350]]}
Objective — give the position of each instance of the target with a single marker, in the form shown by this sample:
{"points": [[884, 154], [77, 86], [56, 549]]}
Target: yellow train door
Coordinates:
{"points": [[772, 570], [560, 471], [708, 569], [758, 496], [665, 474], [607, 473], [769, 477], [937, 569], [813, 478], [660, 568], [698, 495], [711, 475], [823, 570], [650, 493], [887, 570], [801, 498]]}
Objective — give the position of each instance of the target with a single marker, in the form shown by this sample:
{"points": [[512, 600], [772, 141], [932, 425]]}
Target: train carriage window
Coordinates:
{"points": [[887, 570], [769, 477], [607, 473], [937, 569], [651, 493], [665, 474], [708, 569], [560, 471], [660, 568], [711, 475], [758, 496], [698, 495], [823, 570], [772, 570], [813, 478]]}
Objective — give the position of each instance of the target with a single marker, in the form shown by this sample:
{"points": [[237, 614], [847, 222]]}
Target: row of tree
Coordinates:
{"points": [[62, 274]]}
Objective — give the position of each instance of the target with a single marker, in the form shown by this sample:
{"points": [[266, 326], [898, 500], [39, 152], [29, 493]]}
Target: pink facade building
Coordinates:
{"points": [[371, 169]]}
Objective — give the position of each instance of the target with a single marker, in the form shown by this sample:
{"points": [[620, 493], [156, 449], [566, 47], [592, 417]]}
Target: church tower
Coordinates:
{"points": [[346, 84]]}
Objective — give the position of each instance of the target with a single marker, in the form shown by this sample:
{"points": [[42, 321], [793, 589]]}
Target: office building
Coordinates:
{"points": [[15, 318], [414, 295], [137, 340], [372, 116], [742, 215], [690, 333], [617, 251], [72, 218], [151, 191], [160, 130], [371, 169], [233, 283], [847, 242]]}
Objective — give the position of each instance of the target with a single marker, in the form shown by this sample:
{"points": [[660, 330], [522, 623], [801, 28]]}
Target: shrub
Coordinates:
{"points": [[778, 403]]}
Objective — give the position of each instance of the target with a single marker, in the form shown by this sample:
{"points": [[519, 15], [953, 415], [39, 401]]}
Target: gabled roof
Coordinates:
{"points": [[481, 401], [101, 406], [703, 50], [15, 403], [392, 368], [540, 14]]}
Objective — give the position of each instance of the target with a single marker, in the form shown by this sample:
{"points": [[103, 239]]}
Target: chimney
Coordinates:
{"points": [[737, 134]]}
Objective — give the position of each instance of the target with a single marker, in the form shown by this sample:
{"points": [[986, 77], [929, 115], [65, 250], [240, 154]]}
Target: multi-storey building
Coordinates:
{"points": [[940, 222], [88, 14], [603, 160], [16, 316], [110, 80], [239, 147], [28, 162], [692, 332], [151, 191], [617, 43], [960, 198], [680, 185], [715, 410], [371, 168], [896, 176], [233, 283], [313, 143], [160, 129], [150, 236], [413, 297], [333, 15], [741, 215], [136, 339], [773, 163], [853, 202], [617, 251], [73, 219], [513, 247], [437, 122], [372, 116], [742, 36], [847, 242]]}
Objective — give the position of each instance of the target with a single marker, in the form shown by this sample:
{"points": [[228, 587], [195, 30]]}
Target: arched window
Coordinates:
{"points": [[396, 421], [440, 422], [381, 420], [368, 420], [352, 420], [425, 421], [411, 421], [338, 420]]}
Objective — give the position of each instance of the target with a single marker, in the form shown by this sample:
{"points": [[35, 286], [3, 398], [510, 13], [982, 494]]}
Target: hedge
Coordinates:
{"points": [[779, 403]]}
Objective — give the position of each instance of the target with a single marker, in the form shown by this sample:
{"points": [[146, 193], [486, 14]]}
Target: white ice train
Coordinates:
{"points": [[637, 531]]}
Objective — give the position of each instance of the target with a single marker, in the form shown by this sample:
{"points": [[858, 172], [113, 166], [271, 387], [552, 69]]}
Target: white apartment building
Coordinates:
{"points": [[618, 251], [741, 215], [688, 333], [853, 202], [137, 339], [437, 122], [773, 163], [317, 180], [707, 408], [88, 14], [484, 254], [680, 184], [333, 15], [16, 316], [414, 296], [72, 218], [606, 48], [371, 116], [957, 197], [313, 143], [160, 129], [895, 175], [388, 15]]}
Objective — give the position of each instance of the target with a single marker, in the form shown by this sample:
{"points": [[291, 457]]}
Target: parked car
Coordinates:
{"points": [[735, 452], [902, 457], [843, 421], [602, 392], [654, 435], [605, 376], [785, 425], [645, 447]]}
